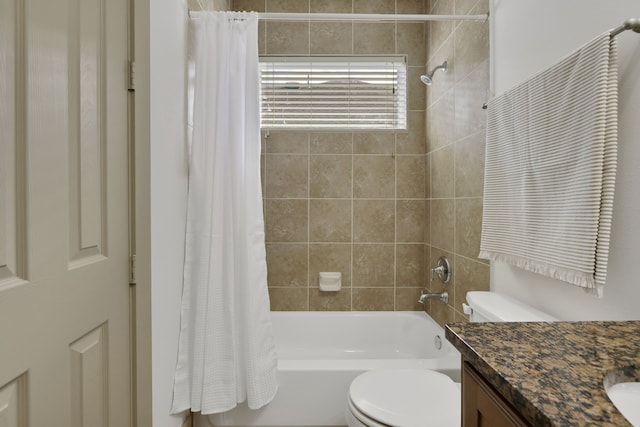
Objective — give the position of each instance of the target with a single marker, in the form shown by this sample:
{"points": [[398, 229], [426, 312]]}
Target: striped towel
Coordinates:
{"points": [[551, 166]]}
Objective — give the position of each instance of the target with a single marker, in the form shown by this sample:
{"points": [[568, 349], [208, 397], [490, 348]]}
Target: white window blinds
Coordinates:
{"points": [[333, 93]]}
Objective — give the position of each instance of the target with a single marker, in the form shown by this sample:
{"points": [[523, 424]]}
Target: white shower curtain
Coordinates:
{"points": [[226, 351]]}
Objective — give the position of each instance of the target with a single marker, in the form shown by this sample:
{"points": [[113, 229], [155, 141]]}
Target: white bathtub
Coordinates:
{"points": [[320, 353]]}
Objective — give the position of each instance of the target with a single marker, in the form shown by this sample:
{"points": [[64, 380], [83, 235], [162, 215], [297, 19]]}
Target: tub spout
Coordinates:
{"points": [[442, 296]]}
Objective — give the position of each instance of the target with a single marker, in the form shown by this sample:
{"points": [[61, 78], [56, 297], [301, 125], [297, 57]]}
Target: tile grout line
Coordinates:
{"points": [[395, 178], [352, 219], [309, 182], [308, 221], [395, 220], [451, 304]]}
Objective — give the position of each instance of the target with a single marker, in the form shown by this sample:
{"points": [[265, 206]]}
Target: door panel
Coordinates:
{"points": [[86, 141], [64, 293], [12, 160], [12, 404], [88, 379]]}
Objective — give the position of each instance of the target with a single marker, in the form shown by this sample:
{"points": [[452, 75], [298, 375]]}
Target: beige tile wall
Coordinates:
{"points": [[373, 205], [341, 201], [455, 152]]}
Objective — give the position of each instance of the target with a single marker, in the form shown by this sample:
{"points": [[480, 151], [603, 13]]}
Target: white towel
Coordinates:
{"points": [[550, 169]]}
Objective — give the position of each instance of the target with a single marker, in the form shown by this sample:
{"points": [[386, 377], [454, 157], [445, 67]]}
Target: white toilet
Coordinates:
{"points": [[424, 398]]}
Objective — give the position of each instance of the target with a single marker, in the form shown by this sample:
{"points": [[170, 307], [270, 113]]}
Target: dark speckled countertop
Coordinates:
{"points": [[553, 373]]}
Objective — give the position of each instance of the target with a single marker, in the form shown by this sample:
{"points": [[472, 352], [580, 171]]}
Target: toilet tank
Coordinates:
{"points": [[495, 307]]}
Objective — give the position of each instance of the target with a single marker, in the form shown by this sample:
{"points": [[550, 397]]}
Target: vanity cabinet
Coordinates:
{"points": [[576, 397], [482, 406]]}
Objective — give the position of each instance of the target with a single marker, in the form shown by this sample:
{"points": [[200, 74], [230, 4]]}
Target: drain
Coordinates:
{"points": [[437, 341]]}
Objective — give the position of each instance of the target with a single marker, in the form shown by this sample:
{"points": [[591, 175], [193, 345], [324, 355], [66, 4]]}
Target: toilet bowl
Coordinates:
{"points": [[424, 398], [403, 397]]}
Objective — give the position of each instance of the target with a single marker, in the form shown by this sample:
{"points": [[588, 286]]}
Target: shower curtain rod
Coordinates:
{"points": [[366, 17], [284, 16]]}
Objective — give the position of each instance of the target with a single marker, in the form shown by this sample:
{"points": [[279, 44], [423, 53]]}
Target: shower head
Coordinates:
{"points": [[428, 78]]}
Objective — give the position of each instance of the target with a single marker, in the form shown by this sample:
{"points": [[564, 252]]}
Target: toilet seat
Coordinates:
{"points": [[404, 397], [357, 419]]}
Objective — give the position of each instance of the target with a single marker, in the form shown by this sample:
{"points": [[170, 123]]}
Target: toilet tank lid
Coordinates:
{"points": [[502, 308]]}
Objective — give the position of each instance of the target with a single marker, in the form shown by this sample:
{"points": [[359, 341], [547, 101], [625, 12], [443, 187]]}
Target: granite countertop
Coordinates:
{"points": [[553, 373]]}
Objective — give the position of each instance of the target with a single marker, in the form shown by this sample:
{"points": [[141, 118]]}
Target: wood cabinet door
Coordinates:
{"points": [[482, 406]]}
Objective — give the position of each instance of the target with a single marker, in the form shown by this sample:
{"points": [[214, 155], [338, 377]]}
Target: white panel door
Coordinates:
{"points": [[64, 293]]}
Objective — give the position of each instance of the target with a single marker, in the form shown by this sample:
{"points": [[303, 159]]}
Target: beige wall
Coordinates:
{"points": [[380, 207], [455, 152], [520, 52]]}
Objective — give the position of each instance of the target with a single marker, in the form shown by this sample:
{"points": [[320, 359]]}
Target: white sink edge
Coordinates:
{"points": [[626, 396]]}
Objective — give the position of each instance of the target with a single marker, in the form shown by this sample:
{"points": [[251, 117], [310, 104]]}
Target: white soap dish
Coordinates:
{"points": [[330, 281]]}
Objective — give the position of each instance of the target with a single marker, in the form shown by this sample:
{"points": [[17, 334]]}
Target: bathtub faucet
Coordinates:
{"points": [[442, 296]]}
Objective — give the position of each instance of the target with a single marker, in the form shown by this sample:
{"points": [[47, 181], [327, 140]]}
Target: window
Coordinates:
{"points": [[333, 93]]}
